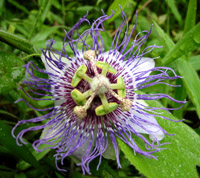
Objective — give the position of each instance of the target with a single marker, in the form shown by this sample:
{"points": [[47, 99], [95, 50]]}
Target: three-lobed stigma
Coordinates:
{"points": [[99, 86]]}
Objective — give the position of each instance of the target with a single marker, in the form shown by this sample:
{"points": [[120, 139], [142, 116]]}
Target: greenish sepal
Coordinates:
{"points": [[121, 92], [76, 79], [100, 111], [78, 98], [105, 67], [110, 151]]}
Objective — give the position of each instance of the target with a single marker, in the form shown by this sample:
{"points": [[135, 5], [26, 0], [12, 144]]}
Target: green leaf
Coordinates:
{"points": [[21, 105], [10, 143], [1, 6], [179, 94], [172, 6], [7, 84], [16, 42], [164, 38], [190, 77], [44, 33], [191, 15], [188, 43], [84, 9], [19, 6], [11, 71], [195, 61], [45, 6], [7, 173], [20, 175], [7, 113], [180, 157], [115, 6], [191, 81], [38, 156]]}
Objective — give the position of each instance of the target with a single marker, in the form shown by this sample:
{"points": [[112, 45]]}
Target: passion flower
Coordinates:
{"points": [[95, 95]]}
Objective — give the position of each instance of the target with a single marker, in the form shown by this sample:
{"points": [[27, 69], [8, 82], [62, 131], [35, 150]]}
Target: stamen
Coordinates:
{"points": [[87, 93], [120, 86], [125, 103], [79, 75], [105, 68], [100, 111], [90, 56], [99, 86], [80, 98], [84, 76], [81, 111], [87, 105], [106, 107], [104, 102]]}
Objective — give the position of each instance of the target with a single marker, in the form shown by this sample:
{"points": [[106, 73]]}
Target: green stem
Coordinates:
{"points": [[31, 55]]}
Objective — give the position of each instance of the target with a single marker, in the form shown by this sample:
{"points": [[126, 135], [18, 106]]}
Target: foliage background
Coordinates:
{"points": [[25, 26]]}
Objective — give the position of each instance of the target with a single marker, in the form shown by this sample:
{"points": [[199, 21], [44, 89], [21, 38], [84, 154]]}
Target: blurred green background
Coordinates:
{"points": [[25, 26]]}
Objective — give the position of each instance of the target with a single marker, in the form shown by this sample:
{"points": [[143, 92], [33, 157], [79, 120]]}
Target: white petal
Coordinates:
{"points": [[144, 64], [137, 65], [59, 102], [152, 127], [50, 66], [158, 136]]}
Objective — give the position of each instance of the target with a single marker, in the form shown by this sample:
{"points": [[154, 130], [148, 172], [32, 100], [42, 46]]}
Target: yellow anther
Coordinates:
{"points": [[89, 55], [80, 112], [126, 104]]}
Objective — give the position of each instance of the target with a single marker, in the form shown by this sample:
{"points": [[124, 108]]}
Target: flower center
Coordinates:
{"points": [[99, 86], [95, 82]]}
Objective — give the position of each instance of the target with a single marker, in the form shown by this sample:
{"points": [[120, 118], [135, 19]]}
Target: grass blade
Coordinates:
{"points": [[115, 6], [188, 43], [191, 15], [191, 81], [174, 9]]}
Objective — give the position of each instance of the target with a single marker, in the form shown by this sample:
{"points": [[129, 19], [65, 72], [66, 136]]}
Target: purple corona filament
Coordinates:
{"points": [[95, 96]]}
